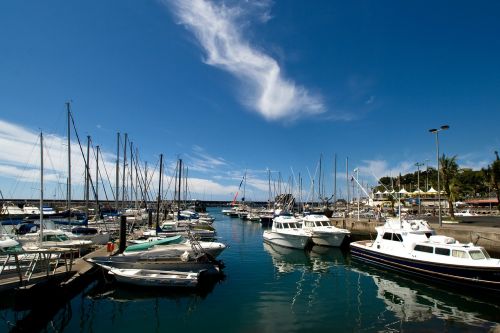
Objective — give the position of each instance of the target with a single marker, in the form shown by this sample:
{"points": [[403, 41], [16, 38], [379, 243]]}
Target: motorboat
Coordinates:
{"points": [[287, 231], [324, 233], [172, 228], [31, 210], [155, 278], [9, 245], [11, 210], [174, 247], [52, 238], [411, 246]]}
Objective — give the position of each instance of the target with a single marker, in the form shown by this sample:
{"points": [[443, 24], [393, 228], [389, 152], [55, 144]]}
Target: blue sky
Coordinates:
{"points": [[233, 85]]}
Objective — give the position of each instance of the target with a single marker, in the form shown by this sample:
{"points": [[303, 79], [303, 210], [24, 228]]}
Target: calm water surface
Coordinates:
{"points": [[269, 289]]}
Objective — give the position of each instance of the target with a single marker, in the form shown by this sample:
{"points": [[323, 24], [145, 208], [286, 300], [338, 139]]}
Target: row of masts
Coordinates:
{"points": [[139, 179], [142, 181]]}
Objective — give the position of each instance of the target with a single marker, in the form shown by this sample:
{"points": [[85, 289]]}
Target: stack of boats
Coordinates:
{"points": [[289, 231], [175, 261]]}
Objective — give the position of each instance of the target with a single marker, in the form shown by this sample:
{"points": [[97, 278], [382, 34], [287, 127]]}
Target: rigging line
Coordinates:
{"points": [[171, 178], [138, 177], [142, 182], [151, 178], [47, 152], [141, 179], [83, 155], [100, 175], [148, 184], [23, 170]]}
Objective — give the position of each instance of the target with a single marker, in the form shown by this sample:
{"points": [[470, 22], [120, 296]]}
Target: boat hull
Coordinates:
{"points": [[286, 240], [333, 239], [486, 279], [155, 278], [134, 262]]}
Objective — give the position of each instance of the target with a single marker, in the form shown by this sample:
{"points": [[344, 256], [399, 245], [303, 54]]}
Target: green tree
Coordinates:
{"points": [[495, 177], [449, 171]]}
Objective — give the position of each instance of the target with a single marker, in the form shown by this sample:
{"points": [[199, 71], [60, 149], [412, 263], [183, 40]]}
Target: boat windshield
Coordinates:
{"points": [[459, 254], [322, 223], [476, 254], [486, 254]]}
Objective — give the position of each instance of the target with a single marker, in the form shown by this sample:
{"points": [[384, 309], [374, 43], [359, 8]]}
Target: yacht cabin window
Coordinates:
{"points": [[424, 248], [442, 251], [476, 254], [459, 254], [393, 237]]}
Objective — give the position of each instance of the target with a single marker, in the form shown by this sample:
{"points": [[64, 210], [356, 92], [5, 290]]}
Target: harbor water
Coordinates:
{"points": [[265, 289]]}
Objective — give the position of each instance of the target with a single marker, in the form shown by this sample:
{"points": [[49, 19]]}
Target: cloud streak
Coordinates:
{"points": [[266, 90]]}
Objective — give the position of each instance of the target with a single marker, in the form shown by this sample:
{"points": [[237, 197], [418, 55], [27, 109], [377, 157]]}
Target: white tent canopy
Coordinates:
{"points": [[432, 191]]}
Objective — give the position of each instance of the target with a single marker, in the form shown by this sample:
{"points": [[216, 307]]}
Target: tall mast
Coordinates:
{"points": [[131, 173], [69, 157], [159, 195], [269, 185], [300, 192], [136, 175], [179, 190], [124, 164], [347, 181], [117, 183], [41, 187], [146, 182], [87, 178], [244, 186], [97, 182], [319, 182], [335, 180]]}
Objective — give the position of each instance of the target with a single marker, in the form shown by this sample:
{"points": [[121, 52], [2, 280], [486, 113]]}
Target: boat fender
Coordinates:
{"points": [[414, 226], [185, 256]]}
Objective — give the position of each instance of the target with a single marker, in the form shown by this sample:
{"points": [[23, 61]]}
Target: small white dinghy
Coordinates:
{"points": [[155, 278]]}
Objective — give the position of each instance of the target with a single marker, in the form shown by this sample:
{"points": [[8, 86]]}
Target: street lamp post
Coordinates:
{"points": [[427, 174], [418, 165], [436, 131]]}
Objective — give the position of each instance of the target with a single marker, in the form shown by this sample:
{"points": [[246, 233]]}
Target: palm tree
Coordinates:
{"points": [[449, 170]]}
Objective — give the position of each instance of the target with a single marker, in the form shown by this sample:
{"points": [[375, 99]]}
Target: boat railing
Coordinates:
{"points": [[195, 244], [41, 262]]}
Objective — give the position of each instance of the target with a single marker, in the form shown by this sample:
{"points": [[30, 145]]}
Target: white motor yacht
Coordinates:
{"points": [[323, 232], [411, 246], [287, 231]]}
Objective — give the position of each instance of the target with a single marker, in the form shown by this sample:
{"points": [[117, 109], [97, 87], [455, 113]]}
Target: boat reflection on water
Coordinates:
{"points": [[105, 289], [317, 259], [415, 302]]}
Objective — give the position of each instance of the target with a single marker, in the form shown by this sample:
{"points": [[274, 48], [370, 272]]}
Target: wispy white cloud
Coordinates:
{"points": [[266, 90], [200, 160], [380, 168]]}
